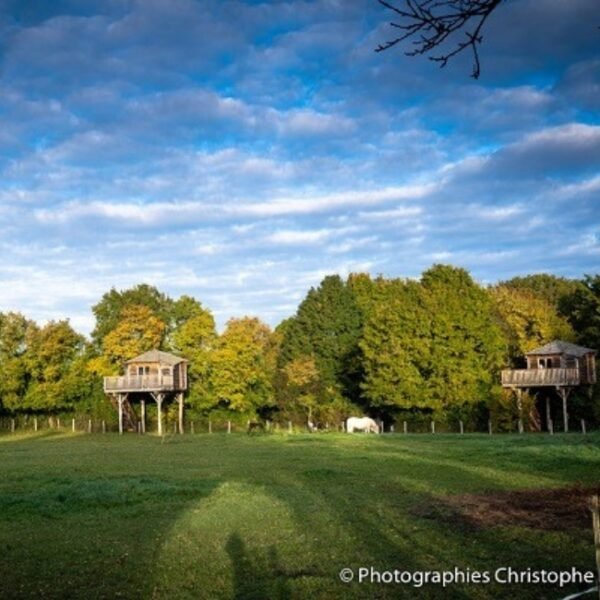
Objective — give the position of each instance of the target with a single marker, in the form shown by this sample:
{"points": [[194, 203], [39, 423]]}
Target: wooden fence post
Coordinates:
{"points": [[391, 429], [551, 426], [35, 424], [405, 427], [462, 427], [290, 428], [583, 429], [228, 426], [209, 426], [432, 426], [58, 423], [103, 426], [595, 506], [73, 425], [192, 427], [89, 426], [490, 429]]}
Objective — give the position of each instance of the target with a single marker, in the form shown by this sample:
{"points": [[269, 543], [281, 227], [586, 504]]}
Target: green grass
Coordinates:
{"points": [[272, 516]]}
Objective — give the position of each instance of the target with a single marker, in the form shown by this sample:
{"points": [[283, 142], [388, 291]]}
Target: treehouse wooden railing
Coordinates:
{"points": [[533, 377], [139, 383]]}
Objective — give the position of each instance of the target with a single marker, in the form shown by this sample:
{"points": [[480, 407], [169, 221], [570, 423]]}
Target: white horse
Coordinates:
{"points": [[361, 424]]}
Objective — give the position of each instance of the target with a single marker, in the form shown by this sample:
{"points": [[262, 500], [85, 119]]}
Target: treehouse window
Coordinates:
{"points": [[143, 371], [166, 372]]}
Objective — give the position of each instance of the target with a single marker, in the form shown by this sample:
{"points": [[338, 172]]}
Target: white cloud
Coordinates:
{"points": [[299, 237]]}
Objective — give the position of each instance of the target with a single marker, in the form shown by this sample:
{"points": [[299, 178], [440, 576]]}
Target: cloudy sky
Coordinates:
{"points": [[238, 151]]}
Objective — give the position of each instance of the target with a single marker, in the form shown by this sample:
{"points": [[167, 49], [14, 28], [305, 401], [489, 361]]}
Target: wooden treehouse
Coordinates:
{"points": [[559, 365], [157, 374]]}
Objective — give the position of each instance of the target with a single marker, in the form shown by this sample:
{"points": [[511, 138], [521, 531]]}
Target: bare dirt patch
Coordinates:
{"points": [[553, 509]]}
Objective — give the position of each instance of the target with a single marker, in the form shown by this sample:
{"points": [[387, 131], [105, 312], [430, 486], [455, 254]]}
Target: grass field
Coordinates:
{"points": [[274, 516]]}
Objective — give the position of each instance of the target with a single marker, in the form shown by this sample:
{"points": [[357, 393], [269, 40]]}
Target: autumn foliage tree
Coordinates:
{"points": [[54, 361], [242, 367], [137, 330], [195, 338]]}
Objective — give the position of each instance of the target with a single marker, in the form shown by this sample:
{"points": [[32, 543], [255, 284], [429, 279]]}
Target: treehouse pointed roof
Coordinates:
{"points": [[157, 356], [560, 347]]}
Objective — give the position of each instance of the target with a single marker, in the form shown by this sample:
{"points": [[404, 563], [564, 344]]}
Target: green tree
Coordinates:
{"points": [[242, 367], [467, 348], [14, 329], [582, 308], [395, 348], [328, 327], [433, 344]]}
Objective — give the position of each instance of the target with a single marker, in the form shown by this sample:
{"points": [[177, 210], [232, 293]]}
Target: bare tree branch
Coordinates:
{"points": [[431, 23]]}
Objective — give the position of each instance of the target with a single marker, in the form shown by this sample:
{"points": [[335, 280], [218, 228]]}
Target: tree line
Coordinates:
{"points": [[390, 348]]}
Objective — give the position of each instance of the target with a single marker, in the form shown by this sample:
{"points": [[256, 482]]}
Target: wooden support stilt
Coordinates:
{"points": [[548, 414], [564, 394], [583, 428], [120, 404], [158, 398], [180, 415], [520, 408], [143, 415]]}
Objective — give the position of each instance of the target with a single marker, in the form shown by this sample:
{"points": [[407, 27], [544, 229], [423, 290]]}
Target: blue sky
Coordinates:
{"points": [[240, 151]]}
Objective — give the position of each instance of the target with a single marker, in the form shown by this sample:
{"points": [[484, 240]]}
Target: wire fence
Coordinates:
{"points": [[85, 424]]}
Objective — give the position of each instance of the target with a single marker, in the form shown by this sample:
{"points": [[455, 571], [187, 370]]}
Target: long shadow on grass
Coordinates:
{"points": [[256, 577]]}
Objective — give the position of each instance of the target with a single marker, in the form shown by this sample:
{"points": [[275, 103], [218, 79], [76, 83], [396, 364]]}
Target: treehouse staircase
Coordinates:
{"points": [[130, 420]]}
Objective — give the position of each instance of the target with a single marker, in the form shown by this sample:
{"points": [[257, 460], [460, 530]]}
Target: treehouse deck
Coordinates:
{"points": [[141, 383], [540, 377]]}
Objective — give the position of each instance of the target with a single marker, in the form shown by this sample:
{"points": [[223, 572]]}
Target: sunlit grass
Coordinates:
{"points": [[236, 516]]}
